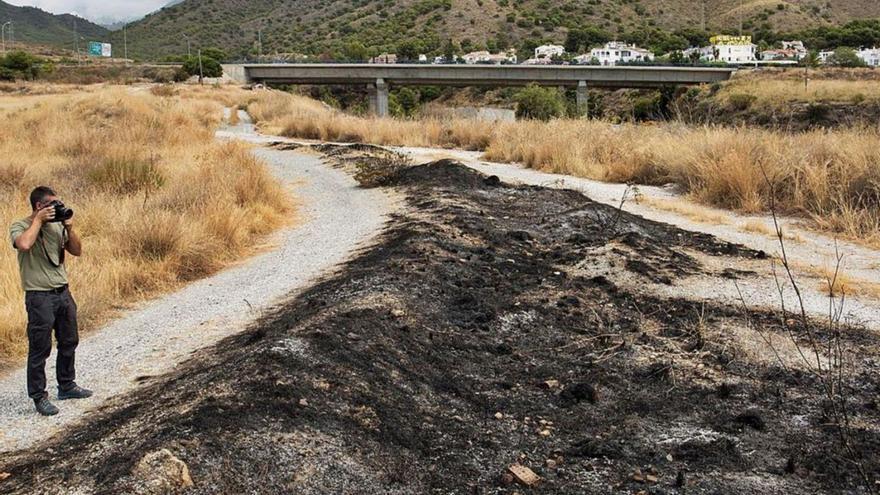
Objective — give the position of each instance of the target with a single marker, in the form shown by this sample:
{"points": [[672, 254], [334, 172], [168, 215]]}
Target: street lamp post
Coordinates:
{"points": [[201, 73], [3, 34]]}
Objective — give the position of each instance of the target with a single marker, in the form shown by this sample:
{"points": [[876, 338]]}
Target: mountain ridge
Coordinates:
{"points": [[363, 27], [34, 25]]}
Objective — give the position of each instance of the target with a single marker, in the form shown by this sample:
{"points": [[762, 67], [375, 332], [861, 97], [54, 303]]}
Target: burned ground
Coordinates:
{"points": [[490, 325]]}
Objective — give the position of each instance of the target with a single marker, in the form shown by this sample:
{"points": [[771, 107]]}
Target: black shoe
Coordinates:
{"points": [[76, 392], [45, 407]]}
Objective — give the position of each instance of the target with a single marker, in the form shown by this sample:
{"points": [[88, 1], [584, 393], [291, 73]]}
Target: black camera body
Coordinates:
{"points": [[62, 212]]}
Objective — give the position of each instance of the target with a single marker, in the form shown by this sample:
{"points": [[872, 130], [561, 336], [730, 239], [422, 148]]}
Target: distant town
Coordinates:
{"points": [[721, 50]]}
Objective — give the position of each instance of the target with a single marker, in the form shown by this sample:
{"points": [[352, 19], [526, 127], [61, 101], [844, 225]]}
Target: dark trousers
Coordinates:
{"points": [[47, 311]]}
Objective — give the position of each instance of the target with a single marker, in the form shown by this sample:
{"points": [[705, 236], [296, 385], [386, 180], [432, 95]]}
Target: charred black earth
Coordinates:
{"points": [[489, 326]]}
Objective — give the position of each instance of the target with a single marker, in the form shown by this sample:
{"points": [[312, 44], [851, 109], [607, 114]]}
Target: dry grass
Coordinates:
{"points": [[158, 200], [832, 177], [688, 210], [778, 87], [843, 284]]}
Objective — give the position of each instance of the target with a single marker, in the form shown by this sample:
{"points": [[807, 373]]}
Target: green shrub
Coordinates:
{"points": [[20, 65], [535, 102], [210, 67], [741, 101], [845, 57]]}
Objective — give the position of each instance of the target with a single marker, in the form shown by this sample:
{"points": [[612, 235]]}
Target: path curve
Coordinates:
{"points": [[336, 217]]}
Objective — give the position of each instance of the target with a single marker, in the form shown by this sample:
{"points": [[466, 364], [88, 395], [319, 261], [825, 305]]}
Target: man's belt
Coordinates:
{"points": [[56, 290]]}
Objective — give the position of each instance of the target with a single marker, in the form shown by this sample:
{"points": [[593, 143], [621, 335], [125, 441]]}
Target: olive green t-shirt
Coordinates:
{"points": [[37, 271]]}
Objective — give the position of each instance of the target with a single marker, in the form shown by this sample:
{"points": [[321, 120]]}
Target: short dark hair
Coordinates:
{"points": [[39, 194]]}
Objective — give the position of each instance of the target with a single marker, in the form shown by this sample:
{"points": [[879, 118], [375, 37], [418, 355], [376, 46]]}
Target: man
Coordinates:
{"points": [[41, 244]]}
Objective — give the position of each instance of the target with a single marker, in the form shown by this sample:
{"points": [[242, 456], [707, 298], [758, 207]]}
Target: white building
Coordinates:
{"points": [[824, 55], [733, 49], [549, 51], [385, 58], [706, 53], [871, 56], [796, 46], [614, 53], [484, 57]]}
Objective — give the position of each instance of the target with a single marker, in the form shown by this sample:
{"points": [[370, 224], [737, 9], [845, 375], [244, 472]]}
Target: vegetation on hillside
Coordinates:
{"points": [[158, 201], [347, 30]]}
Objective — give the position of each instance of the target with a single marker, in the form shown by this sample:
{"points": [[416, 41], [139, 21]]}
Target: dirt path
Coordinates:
{"points": [[336, 218]]}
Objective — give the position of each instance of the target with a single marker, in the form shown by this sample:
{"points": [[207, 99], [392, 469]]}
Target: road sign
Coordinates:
{"points": [[98, 49]]}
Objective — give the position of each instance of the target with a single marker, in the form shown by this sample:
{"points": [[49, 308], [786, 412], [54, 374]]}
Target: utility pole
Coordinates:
{"points": [[75, 39], [125, 42], [703, 15], [201, 73], [742, 8], [260, 41], [188, 53]]}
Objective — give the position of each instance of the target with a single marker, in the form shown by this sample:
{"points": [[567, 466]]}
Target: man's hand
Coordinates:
{"points": [[44, 215]]}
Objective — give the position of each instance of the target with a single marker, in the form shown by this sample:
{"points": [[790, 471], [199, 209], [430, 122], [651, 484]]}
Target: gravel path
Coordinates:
{"points": [[335, 218]]}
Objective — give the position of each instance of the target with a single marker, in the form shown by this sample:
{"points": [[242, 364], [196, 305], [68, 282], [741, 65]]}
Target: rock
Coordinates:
{"points": [[397, 313], [3, 476], [523, 475], [507, 479], [499, 415], [162, 472], [550, 384], [578, 392], [545, 433], [550, 463], [304, 402], [492, 181]]}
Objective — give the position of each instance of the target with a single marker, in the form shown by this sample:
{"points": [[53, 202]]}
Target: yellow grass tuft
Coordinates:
{"points": [[158, 201]]}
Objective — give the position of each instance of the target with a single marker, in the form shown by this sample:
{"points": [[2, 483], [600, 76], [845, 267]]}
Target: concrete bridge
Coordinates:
{"points": [[378, 77]]}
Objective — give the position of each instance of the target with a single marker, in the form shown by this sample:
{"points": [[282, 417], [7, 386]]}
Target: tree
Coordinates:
{"points": [[210, 67], [585, 38], [355, 52], [845, 57], [535, 102], [20, 65], [409, 50], [215, 53]]}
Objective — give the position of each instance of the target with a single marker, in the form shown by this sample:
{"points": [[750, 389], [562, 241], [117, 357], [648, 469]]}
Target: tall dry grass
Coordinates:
{"points": [[830, 176], [158, 201]]}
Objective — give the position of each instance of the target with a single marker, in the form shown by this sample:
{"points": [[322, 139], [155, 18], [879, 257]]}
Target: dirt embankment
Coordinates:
{"points": [[490, 326]]}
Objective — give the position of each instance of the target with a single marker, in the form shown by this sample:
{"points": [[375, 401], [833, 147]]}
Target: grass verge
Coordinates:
{"points": [[158, 200]]}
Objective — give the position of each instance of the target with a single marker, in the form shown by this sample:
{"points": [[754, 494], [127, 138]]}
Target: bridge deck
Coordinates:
{"points": [[476, 75]]}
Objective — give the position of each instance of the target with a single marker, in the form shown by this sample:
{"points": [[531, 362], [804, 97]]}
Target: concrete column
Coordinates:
{"points": [[378, 94], [583, 100]]}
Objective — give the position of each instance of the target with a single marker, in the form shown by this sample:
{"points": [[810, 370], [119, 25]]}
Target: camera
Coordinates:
{"points": [[62, 212]]}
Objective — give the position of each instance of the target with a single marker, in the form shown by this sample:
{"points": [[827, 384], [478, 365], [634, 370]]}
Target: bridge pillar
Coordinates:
{"points": [[583, 99], [378, 98]]}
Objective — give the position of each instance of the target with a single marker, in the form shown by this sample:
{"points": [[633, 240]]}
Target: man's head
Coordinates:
{"points": [[42, 196]]}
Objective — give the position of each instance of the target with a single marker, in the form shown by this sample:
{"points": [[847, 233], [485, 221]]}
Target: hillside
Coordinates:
{"points": [[348, 26], [32, 25]]}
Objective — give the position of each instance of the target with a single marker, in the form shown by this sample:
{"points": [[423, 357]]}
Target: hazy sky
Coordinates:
{"points": [[99, 10]]}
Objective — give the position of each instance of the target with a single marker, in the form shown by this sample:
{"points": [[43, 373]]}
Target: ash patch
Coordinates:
{"points": [[468, 340]]}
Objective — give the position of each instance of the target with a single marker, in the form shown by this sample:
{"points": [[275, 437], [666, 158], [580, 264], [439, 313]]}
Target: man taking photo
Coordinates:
{"points": [[42, 240]]}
